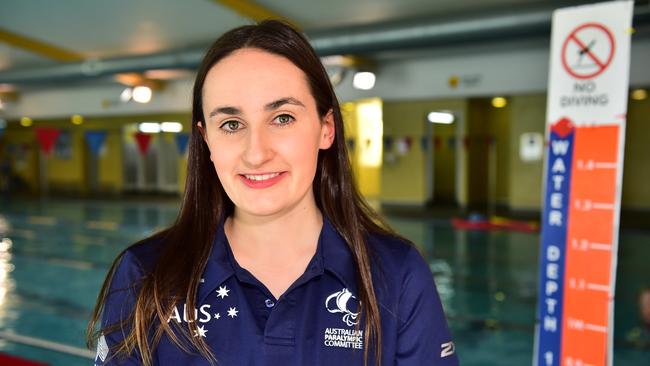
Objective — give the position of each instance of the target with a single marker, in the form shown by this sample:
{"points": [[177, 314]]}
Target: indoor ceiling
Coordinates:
{"points": [[42, 33]]}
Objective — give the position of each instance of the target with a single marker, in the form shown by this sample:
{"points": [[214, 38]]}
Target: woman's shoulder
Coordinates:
{"points": [[411, 307], [139, 259], [392, 249], [396, 255], [126, 277]]}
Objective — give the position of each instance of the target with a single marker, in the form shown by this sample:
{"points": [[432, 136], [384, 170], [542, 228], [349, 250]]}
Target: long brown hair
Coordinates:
{"points": [[186, 245]]}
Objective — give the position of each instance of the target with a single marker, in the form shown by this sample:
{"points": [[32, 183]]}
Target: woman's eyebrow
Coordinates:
{"points": [[225, 110], [269, 107], [280, 102]]}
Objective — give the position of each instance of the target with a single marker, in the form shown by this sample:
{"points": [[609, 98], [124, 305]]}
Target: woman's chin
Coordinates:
{"points": [[261, 208]]}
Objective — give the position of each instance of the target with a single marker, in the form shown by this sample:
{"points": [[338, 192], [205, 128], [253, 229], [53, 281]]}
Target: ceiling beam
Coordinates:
{"points": [[39, 47], [61, 54], [251, 10]]}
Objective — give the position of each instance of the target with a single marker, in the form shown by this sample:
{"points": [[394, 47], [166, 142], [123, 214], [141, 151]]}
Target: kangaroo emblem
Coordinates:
{"points": [[340, 305]]}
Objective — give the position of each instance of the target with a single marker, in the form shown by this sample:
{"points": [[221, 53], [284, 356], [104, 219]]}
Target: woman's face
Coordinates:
{"points": [[263, 131]]}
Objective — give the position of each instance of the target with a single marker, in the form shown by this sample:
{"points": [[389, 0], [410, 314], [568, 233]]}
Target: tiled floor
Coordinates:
{"points": [[54, 255]]}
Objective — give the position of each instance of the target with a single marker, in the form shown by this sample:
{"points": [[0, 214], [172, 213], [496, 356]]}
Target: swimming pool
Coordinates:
{"points": [[54, 255]]}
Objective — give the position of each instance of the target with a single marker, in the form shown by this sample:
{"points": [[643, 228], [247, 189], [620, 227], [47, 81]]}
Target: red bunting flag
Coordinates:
{"points": [[46, 137], [437, 142], [466, 142], [143, 140]]}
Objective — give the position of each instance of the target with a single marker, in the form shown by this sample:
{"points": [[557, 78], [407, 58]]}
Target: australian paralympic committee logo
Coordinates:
{"points": [[343, 302], [338, 303]]}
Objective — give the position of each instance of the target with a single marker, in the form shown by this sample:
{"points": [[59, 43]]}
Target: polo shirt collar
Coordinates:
{"points": [[332, 255], [218, 268], [337, 257]]}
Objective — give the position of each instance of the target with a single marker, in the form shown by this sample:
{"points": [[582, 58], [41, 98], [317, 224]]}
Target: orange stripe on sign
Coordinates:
{"points": [[588, 267]]}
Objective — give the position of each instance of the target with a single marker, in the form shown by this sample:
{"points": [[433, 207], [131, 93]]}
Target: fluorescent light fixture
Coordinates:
{"points": [[499, 102], [363, 80], [445, 118], [637, 94], [126, 95], [149, 127], [171, 127], [142, 94]]}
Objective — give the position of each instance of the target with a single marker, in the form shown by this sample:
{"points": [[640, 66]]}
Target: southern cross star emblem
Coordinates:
{"points": [[232, 312], [200, 332], [222, 291], [217, 316]]}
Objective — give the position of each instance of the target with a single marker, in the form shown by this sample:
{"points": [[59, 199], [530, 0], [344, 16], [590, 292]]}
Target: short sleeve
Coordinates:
{"points": [[118, 305], [423, 336]]}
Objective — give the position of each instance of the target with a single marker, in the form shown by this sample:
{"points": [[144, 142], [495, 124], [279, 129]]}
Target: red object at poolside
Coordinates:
{"points": [[17, 361], [494, 224]]}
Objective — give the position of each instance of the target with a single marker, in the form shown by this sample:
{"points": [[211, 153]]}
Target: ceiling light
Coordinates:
{"points": [[76, 119], [364, 80], [142, 94], [171, 127], [499, 102], [26, 121], [444, 118], [149, 127], [639, 94], [6, 88], [126, 95], [167, 74]]}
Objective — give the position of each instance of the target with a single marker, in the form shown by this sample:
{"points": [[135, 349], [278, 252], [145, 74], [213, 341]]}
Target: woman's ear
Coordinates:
{"points": [[199, 125], [328, 131]]}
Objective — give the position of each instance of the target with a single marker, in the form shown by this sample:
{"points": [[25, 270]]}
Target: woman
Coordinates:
{"points": [[274, 259]]}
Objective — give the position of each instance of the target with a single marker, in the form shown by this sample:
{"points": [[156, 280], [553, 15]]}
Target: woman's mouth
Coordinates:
{"points": [[262, 180], [260, 177]]}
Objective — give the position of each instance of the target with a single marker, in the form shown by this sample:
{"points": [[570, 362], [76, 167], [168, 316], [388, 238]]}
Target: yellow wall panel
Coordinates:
{"points": [[406, 180], [636, 169]]}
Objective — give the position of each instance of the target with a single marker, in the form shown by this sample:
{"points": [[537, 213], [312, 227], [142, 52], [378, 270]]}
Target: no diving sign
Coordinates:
{"points": [[586, 109], [588, 50]]}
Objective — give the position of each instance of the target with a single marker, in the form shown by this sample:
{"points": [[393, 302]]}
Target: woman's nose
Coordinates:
{"points": [[259, 147]]}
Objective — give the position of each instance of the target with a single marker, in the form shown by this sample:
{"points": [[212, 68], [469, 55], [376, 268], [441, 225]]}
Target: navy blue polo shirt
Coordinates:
{"points": [[313, 323]]}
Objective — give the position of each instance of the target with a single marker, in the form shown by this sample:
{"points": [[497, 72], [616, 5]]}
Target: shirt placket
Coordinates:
{"points": [[280, 331]]}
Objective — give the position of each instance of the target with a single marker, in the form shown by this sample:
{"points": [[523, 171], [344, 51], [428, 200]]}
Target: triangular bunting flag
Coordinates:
{"points": [[143, 140], [95, 141], [181, 142], [46, 137]]}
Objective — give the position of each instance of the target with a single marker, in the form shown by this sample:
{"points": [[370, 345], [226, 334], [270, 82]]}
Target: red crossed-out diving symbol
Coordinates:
{"points": [[588, 51]]}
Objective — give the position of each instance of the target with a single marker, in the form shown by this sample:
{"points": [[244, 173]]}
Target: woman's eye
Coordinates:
{"points": [[284, 119], [231, 126]]}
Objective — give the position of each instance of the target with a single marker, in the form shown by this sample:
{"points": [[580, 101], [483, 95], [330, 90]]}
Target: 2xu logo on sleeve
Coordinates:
{"points": [[448, 349]]}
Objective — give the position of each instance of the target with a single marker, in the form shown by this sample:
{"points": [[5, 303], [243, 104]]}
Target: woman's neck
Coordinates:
{"points": [[276, 249], [280, 237]]}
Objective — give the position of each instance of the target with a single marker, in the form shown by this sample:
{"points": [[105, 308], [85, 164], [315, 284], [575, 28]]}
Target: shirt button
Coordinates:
{"points": [[269, 303]]}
